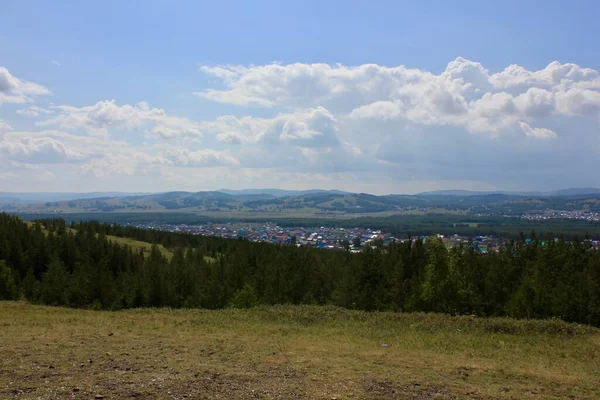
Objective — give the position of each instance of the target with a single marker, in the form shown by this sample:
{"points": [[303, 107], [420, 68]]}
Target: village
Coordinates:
{"points": [[579, 215], [323, 237]]}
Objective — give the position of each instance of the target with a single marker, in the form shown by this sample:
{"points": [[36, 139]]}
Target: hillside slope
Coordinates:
{"points": [[290, 353], [313, 204]]}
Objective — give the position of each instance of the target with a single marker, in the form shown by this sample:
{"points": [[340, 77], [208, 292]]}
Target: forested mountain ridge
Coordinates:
{"points": [[50, 263], [316, 204]]}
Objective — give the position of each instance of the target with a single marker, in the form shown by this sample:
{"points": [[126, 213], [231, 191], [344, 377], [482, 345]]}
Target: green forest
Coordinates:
{"points": [[76, 265]]}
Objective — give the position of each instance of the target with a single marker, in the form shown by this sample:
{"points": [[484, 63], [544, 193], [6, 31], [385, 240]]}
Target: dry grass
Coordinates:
{"points": [[290, 352]]}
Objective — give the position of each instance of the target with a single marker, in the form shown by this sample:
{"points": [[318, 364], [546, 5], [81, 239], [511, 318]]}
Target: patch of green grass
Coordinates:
{"points": [[137, 245], [210, 259], [286, 352], [147, 247]]}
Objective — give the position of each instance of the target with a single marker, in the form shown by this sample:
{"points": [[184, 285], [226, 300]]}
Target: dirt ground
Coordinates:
{"points": [[283, 353]]}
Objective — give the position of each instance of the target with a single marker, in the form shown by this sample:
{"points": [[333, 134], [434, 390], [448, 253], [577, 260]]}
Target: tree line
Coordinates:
{"points": [[78, 265]]}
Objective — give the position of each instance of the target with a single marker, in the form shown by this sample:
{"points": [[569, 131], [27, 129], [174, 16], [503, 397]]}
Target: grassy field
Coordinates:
{"points": [[290, 352], [147, 247], [138, 245]]}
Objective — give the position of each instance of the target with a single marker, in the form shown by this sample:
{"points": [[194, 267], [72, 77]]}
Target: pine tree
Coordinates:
{"points": [[55, 284], [8, 288]]}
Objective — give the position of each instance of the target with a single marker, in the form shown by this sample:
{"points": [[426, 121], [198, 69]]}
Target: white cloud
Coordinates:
{"points": [[515, 77], [383, 109], [471, 77], [83, 142], [465, 94], [538, 133], [313, 127], [114, 165], [303, 85], [34, 111], [229, 138], [56, 63], [100, 158], [105, 168], [46, 176], [105, 115], [535, 102], [181, 156], [165, 132], [7, 175], [42, 150], [361, 128], [578, 102], [15, 90], [4, 126], [28, 149]]}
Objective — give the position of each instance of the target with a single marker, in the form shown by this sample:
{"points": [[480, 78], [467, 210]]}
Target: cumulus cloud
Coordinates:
{"points": [[165, 132], [42, 150], [383, 109], [100, 158], [4, 126], [535, 102], [368, 124], [302, 85], [578, 102], [182, 156], [99, 118], [538, 133], [517, 78], [15, 90], [313, 127], [26, 149], [465, 94], [156, 161], [229, 137]]}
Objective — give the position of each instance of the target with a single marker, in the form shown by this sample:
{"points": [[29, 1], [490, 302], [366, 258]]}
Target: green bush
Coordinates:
{"points": [[8, 288], [244, 298]]}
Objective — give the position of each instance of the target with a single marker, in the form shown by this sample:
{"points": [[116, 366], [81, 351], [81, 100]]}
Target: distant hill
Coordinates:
{"points": [[479, 193], [279, 192], [32, 197], [15, 199], [564, 192], [577, 192], [249, 203]]}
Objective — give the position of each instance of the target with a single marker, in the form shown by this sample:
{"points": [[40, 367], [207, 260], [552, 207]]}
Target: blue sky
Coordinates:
{"points": [[156, 95]]}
